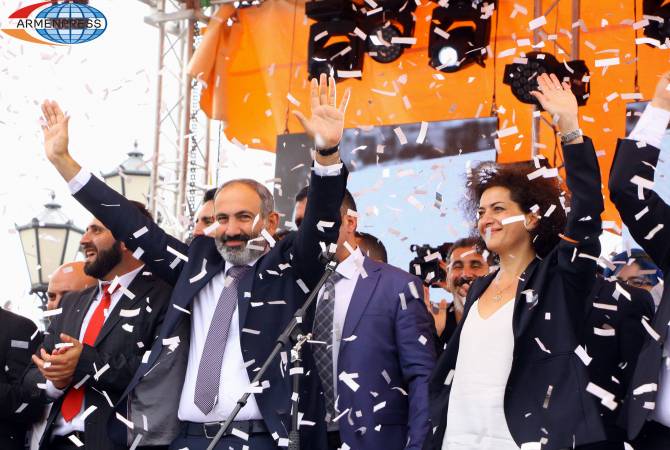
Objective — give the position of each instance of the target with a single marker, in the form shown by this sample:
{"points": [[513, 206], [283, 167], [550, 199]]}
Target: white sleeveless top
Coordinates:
{"points": [[476, 417]]}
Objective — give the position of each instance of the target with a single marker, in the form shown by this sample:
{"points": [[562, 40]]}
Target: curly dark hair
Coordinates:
{"points": [[536, 195]]}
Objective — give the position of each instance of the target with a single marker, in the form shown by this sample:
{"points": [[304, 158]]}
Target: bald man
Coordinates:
{"points": [[68, 277]]}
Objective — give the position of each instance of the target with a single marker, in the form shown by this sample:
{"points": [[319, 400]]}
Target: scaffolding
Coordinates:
{"points": [[182, 138]]}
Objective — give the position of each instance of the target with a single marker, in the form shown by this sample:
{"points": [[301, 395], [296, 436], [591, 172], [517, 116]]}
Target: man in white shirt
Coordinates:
{"points": [[95, 342], [236, 292], [647, 409]]}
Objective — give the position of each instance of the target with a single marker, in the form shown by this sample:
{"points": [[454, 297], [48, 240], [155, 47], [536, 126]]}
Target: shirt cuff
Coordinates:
{"points": [[79, 181], [327, 171], [53, 392], [651, 127]]}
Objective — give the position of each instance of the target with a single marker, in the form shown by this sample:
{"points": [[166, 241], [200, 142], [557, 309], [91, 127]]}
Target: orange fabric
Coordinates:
{"points": [[266, 57]]}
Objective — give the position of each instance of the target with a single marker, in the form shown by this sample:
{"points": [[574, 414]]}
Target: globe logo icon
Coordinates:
{"points": [[73, 23]]}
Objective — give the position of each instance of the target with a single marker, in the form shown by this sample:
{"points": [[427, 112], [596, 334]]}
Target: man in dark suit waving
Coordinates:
{"points": [[647, 410], [237, 291]]}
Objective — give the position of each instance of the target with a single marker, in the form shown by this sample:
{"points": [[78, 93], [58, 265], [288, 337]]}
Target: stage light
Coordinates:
{"points": [[447, 57], [522, 77], [335, 50], [657, 12], [389, 27], [458, 35]]}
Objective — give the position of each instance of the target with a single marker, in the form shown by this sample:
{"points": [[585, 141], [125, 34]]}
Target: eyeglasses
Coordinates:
{"points": [[635, 282]]}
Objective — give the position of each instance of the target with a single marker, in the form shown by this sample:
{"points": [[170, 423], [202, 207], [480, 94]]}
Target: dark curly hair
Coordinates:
{"points": [[536, 195]]}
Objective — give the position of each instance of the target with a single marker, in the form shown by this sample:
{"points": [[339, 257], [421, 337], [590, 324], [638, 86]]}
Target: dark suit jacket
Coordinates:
{"points": [[382, 338], [281, 274], [613, 339], [631, 161], [121, 348], [18, 341], [558, 285]]}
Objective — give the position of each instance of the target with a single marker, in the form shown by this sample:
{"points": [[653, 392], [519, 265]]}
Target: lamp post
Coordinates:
{"points": [[48, 240], [132, 178]]}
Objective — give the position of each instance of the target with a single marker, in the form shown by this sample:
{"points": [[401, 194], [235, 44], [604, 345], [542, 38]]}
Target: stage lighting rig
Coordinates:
{"points": [[388, 25], [522, 77], [459, 34], [334, 47], [657, 12]]}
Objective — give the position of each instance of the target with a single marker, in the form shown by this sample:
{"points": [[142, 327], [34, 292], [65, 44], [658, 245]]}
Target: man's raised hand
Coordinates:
{"points": [[326, 124], [56, 139]]}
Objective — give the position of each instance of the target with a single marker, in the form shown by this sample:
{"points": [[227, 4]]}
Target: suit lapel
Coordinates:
{"points": [[361, 297], [244, 292], [138, 287], [523, 310], [73, 326]]}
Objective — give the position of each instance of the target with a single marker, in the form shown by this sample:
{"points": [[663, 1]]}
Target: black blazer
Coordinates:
{"points": [[121, 348], [613, 338], [549, 307], [631, 161], [268, 296], [18, 340]]}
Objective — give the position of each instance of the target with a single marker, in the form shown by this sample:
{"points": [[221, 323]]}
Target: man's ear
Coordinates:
{"points": [[272, 222]]}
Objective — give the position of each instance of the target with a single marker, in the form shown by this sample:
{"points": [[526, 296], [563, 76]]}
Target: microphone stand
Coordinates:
{"points": [[290, 333]]}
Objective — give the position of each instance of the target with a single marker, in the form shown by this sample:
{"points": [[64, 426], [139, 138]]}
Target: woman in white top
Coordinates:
{"points": [[512, 375]]}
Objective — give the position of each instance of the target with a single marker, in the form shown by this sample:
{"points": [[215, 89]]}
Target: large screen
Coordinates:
{"points": [[408, 180]]}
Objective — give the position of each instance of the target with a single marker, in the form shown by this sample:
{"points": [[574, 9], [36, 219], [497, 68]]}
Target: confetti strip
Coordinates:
{"points": [[200, 275], [140, 232]]}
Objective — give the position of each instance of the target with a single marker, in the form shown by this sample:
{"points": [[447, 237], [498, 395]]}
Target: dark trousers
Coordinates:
{"points": [[653, 436], [334, 441], [604, 445], [261, 441]]}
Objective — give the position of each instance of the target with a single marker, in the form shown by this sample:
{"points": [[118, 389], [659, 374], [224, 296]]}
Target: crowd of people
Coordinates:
{"points": [[152, 342]]}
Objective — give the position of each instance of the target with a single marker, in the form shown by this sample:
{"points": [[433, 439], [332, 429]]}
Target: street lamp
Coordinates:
{"points": [[48, 240], [132, 178]]}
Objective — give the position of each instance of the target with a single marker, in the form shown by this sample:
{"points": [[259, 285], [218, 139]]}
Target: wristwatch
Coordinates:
{"points": [[571, 136], [327, 151]]}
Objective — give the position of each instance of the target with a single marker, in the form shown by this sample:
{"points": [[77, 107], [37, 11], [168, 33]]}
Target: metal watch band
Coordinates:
{"points": [[571, 136]]}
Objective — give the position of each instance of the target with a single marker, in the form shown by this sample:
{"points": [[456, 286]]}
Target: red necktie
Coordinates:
{"points": [[74, 397]]}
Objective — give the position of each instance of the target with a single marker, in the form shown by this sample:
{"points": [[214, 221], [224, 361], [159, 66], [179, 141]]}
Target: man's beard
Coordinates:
{"points": [[250, 250], [104, 262]]}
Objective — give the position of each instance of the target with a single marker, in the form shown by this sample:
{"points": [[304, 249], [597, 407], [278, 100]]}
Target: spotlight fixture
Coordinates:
{"points": [[522, 77], [459, 34], [333, 49], [333, 46], [389, 26], [657, 12]]}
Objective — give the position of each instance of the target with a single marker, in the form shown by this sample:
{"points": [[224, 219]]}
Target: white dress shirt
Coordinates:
{"points": [[234, 379], [350, 269], [650, 129], [61, 427], [652, 126]]}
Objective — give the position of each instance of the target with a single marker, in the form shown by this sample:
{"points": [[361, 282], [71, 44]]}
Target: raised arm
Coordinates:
{"points": [[579, 245], [122, 218], [328, 181], [632, 179]]}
